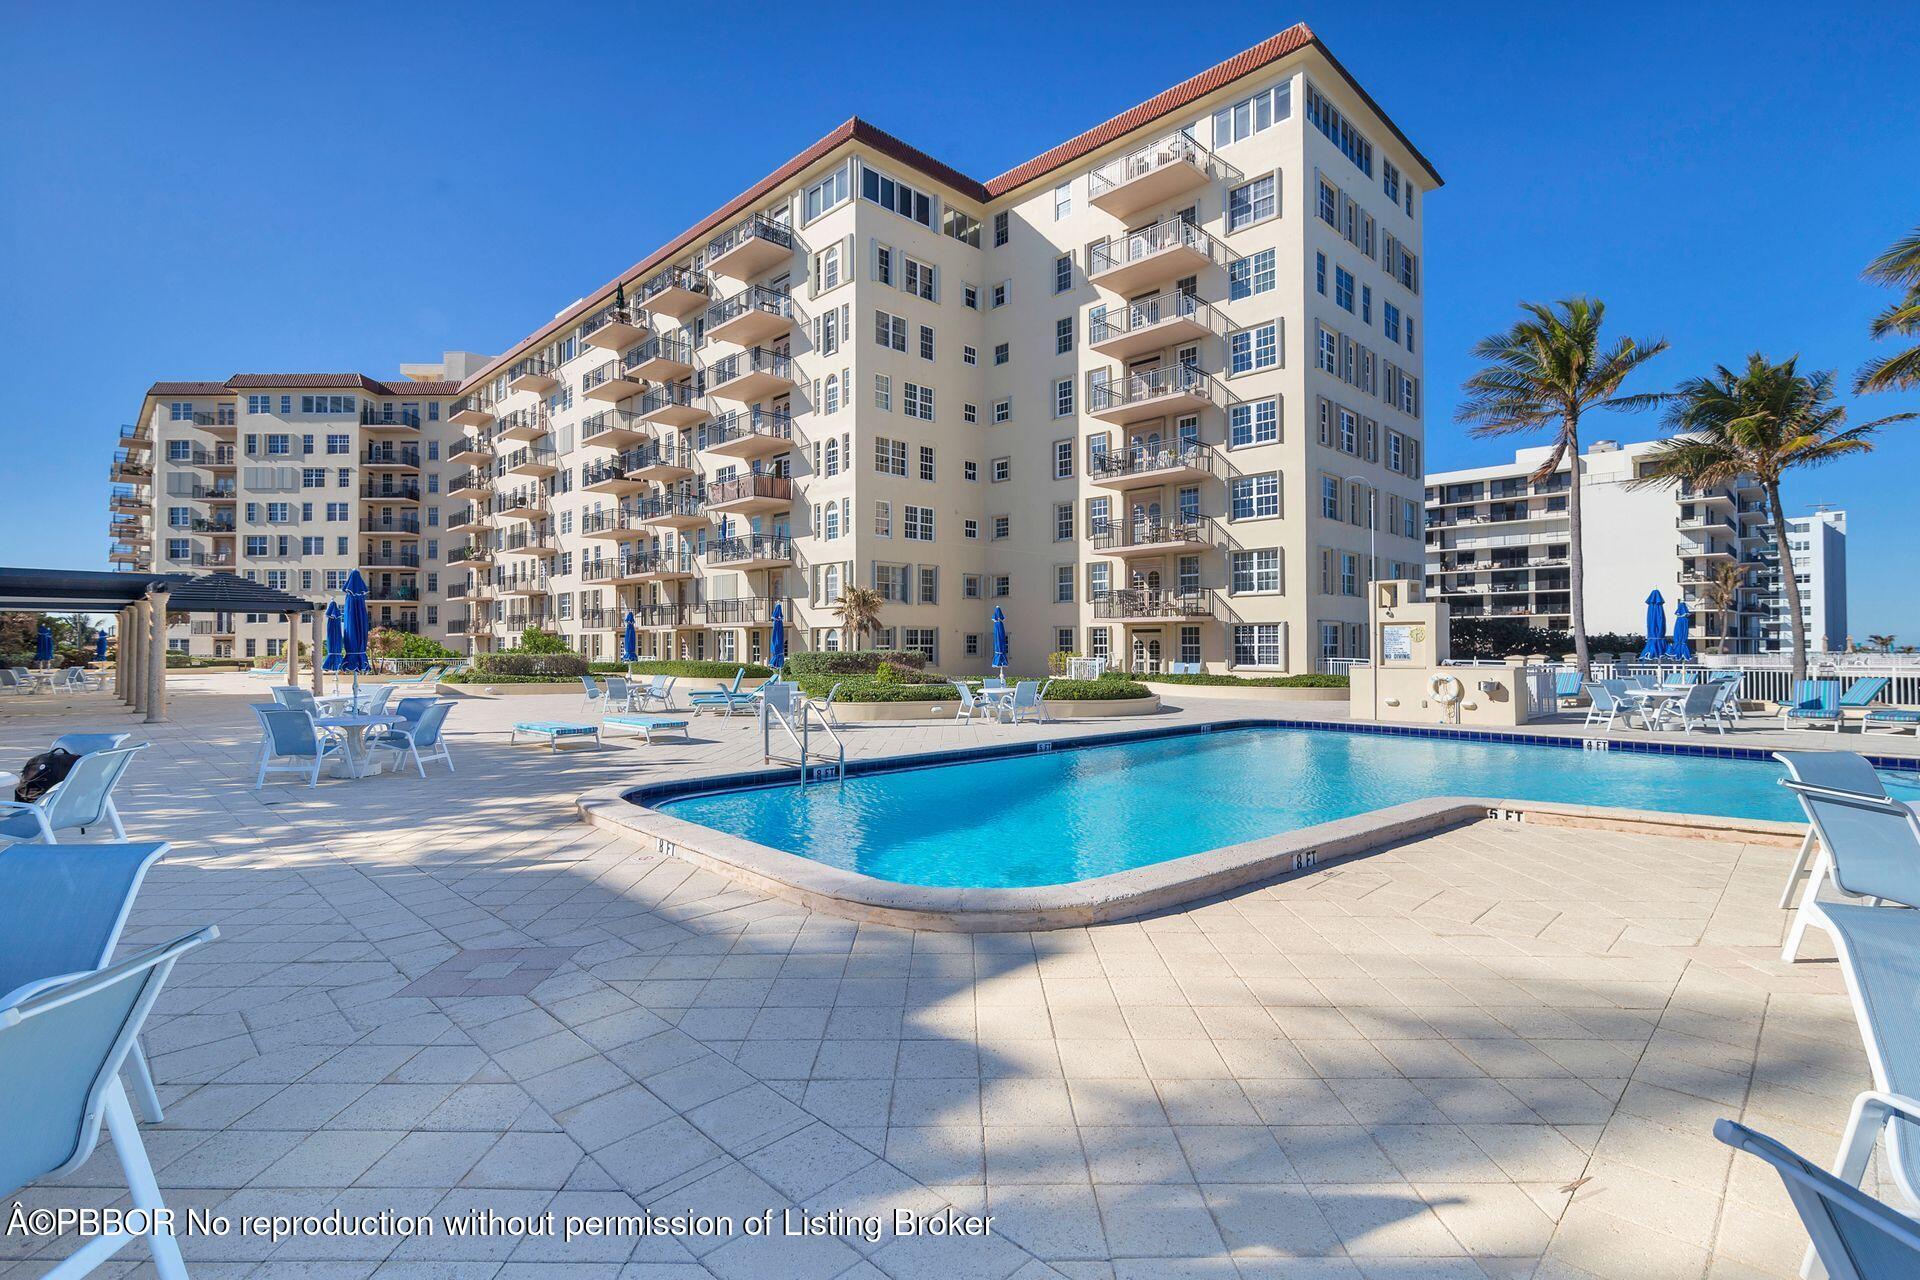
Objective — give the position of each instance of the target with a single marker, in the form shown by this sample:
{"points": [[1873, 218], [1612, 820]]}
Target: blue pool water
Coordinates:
{"points": [[1074, 814]]}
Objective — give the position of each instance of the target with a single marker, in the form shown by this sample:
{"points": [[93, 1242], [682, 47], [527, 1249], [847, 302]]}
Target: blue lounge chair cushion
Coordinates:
{"points": [[554, 728], [1815, 700], [648, 722], [1861, 692], [1897, 715]]}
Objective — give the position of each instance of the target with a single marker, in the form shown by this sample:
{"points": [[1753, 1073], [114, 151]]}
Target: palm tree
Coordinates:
{"points": [[1544, 374], [1897, 268], [859, 612], [1761, 422], [1883, 643], [1721, 591]]}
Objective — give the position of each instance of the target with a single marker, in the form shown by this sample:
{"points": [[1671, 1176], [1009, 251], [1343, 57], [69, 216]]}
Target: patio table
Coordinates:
{"points": [[355, 727], [1661, 696]]}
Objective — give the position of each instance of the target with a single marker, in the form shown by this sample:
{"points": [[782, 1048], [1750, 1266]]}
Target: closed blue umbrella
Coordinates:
{"points": [[1656, 646], [630, 642], [1677, 648], [999, 639], [99, 646], [336, 638], [777, 647], [355, 627], [43, 644]]}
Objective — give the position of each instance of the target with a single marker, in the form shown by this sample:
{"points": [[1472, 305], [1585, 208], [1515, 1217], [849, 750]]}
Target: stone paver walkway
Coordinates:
{"points": [[1494, 1052]]}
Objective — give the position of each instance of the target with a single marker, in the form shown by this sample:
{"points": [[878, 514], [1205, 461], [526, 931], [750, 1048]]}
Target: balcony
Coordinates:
{"points": [[128, 470], [662, 567], [222, 459], [614, 329], [123, 554], [134, 435], [661, 358], [1704, 551], [745, 495], [129, 531], [470, 484], [389, 417], [610, 475], [524, 425], [608, 523], [389, 490], [752, 551], [749, 248], [536, 374], [472, 411], [407, 558], [1155, 393], [527, 542], [612, 569], [391, 458], [522, 504], [1152, 606], [401, 591], [600, 620], [665, 460], [609, 383], [533, 460], [522, 584], [473, 553], [1160, 538], [668, 616], [672, 405], [754, 315], [677, 292], [206, 559], [475, 450], [1153, 175], [754, 433], [123, 499], [675, 509], [1142, 468], [1151, 324], [1152, 257], [742, 611], [216, 493], [407, 526], [613, 429], [753, 374]]}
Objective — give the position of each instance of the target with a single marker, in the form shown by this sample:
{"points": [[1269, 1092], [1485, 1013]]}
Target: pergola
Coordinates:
{"points": [[141, 602]]}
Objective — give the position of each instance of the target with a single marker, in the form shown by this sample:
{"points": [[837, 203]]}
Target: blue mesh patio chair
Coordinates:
{"points": [[82, 800], [424, 734], [1868, 847], [290, 742], [593, 697], [1854, 1236], [1830, 771], [86, 743]]}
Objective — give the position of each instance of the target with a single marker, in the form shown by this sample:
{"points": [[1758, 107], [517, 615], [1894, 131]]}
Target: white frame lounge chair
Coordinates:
{"points": [[1813, 704], [406, 739], [645, 725], [1699, 708], [1852, 1235], [1869, 847], [428, 678], [286, 733], [88, 1024], [83, 799], [272, 669]]}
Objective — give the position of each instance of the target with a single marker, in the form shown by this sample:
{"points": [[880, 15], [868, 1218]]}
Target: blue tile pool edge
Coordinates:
{"points": [[1167, 884]]}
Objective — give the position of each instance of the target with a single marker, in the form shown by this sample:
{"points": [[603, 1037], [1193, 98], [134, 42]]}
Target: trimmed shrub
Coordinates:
{"points": [[391, 642], [518, 662], [534, 640], [688, 669], [871, 689], [475, 677], [1308, 681], [1108, 687], [854, 662]]}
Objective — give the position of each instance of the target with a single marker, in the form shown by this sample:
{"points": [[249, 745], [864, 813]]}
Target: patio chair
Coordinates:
{"points": [[1727, 694], [94, 888], [373, 702], [1699, 709], [1854, 1236], [1831, 771], [411, 709], [619, 693], [970, 705], [292, 695], [62, 1043], [289, 735], [10, 681], [276, 669], [1025, 702], [1812, 705], [87, 743], [1879, 954], [593, 697], [1566, 686], [1603, 704], [992, 682], [1860, 694], [825, 706], [408, 738], [431, 676], [659, 691], [725, 699], [83, 799], [1869, 847]]}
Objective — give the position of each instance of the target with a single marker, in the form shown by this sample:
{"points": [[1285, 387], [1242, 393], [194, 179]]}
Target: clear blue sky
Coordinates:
{"points": [[191, 191]]}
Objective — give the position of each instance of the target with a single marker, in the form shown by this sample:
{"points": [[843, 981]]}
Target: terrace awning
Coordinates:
{"points": [[88, 591]]}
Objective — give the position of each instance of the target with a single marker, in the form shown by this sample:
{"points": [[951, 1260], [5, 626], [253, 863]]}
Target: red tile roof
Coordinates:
{"points": [[1272, 49]]}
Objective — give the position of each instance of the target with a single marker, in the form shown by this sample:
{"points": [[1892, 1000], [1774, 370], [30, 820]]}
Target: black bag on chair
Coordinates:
{"points": [[43, 773]]}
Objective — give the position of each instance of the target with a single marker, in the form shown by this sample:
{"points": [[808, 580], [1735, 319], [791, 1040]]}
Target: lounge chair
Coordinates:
{"points": [[1566, 686], [276, 669], [62, 1044], [1869, 847], [86, 743], [1891, 720], [83, 799], [1603, 704], [1813, 704], [646, 726], [408, 738], [1860, 695], [1831, 771], [94, 887], [429, 677], [1854, 1236], [726, 700], [289, 735], [593, 697], [1024, 702]]}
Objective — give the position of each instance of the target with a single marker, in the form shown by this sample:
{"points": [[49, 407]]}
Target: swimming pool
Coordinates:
{"points": [[1073, 814]]}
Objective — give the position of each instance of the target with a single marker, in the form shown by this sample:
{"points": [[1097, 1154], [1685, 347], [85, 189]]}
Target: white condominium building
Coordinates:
{"points": [[1156, 393], [1818, 543], [1497, 546], [294, 480]]}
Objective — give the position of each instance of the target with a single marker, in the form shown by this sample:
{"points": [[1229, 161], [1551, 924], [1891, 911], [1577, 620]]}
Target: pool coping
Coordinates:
{"points": [[1158, 886]]}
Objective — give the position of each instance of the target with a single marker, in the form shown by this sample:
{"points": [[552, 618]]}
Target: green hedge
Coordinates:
{"points": [[689, 669], [1256, 682], [518, 662], [854, 662], [1110, 686], [870, 689], [475, 677]]}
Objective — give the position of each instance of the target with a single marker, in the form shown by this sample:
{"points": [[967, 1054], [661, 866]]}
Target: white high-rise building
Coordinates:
{"points": [[1818, 543]]}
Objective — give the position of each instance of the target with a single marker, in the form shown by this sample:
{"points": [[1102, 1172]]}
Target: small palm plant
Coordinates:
{"points": [[1897, 268], [1721, 591], [859, 612], [1883, 643], [1762, 422], [1545, 374]]}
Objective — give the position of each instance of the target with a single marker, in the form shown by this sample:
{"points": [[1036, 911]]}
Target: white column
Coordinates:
{"points": [[313, 653], [120, 627], [157, 657], [137, 657], [293, 650]]}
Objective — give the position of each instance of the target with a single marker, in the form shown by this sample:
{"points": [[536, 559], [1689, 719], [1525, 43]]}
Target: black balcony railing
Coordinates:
{"points": [[598, 424], [408, 559], [390, 524], [738, 488], [775, 302], [751, 547], [677, 395], [741, 611], [605, 521], [746, 424], [388, 415], [387, 456], [684, 502], [1160, 533], [472, 553], [661, 346], [1151, 604], [391, 490], [758, 227], [611, 315], [663, 615], [673, 278], [1180, 455], [741, 363]]}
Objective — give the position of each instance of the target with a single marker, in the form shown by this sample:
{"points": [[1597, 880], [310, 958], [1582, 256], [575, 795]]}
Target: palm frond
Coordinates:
{"points": [[1900, 264]]}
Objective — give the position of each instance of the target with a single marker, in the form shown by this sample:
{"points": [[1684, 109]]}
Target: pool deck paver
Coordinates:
{"points": [[1492, 1052]]}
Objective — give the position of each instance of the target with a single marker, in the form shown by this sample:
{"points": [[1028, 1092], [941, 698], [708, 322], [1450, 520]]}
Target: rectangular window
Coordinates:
{"points": [[882, 391], [1063, 335], [1062, 459], [1258, 645], [890, 456], [1002, 527], [1390, 321], [1254, 497], [1063, 584], [883, 519], [916, 523], [926, 462], [916, 401], [920, 279], [1343, 288], [1252, 202], [1002, 411], [1001, 469], [889, 193], [926, 342], [890, 331], [1063, 398], [1252, 349], [1251, 274], [1251, 115], [999, 229], [1320, 274], [1252, 422], [1063, 273], [1002, 353], [1254, 571]]}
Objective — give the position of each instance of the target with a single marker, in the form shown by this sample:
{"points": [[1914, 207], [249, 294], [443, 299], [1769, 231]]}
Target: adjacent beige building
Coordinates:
{"points": [[1156, 393]]}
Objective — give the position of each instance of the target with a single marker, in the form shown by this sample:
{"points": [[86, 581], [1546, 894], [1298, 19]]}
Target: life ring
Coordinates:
{"points": [[1445, 689]]}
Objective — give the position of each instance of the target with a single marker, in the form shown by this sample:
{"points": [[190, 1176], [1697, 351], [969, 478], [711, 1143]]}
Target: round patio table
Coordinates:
{"points": [[355, 727], [1662, 695]]}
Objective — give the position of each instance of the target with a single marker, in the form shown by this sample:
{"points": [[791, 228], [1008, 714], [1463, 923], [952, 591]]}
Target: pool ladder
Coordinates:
{"points": [[800, 721]]}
